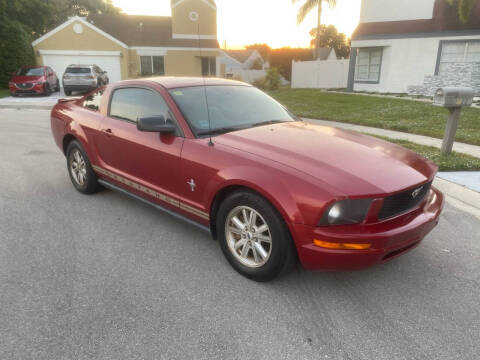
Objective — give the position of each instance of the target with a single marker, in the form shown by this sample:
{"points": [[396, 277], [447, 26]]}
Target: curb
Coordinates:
{"points": [[459, 196], [26, 106]]}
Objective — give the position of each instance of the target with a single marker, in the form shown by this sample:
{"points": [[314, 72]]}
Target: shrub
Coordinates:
{"points": [[271, 81], [15, 49]]}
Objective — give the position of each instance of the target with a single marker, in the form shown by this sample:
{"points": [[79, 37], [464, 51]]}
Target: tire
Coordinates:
{"points": [[84, 180], [47, 90], [67, 92], [278, 255]]}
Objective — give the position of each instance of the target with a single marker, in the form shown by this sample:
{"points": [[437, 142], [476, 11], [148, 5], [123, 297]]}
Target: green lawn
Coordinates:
{"points": [[4, 93], [395, 114], [453, 162]]}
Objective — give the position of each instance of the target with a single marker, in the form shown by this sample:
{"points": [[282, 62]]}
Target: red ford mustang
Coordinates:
{"points": [[270, 187]]}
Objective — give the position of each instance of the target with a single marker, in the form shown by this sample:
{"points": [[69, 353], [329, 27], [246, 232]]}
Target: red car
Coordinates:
{"points": [[34, 80], [270, 187]]}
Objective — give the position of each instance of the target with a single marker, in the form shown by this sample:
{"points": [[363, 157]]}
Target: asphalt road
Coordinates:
{"points": [[106, 277]]}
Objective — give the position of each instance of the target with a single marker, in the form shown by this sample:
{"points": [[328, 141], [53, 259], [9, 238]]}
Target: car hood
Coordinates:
{"points": [[354, 164], [20, 79]]}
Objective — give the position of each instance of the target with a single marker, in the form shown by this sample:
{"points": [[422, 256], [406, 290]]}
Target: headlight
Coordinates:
{"points": [[346, 212]]}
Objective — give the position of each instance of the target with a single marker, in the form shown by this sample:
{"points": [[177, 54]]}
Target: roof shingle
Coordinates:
{"points": [[140, 30]]}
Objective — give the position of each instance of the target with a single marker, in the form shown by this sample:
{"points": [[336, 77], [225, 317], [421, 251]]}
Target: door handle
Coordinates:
{"points": [[107, 132]]}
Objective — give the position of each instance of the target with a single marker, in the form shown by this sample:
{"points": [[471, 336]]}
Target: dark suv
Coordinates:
{"points": [[83, 78]]}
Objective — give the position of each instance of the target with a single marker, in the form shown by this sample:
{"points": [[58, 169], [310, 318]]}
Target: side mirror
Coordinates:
{"points": [[156, 124]]}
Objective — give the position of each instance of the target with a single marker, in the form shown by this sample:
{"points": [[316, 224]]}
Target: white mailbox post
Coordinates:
{"points": [[453, 99]]}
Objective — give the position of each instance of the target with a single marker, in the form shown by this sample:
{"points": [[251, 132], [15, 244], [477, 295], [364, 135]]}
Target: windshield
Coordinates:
{"points": [[30, 72], [230, 107]]}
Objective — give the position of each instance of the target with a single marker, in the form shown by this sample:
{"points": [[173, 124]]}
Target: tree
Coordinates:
{"points": [[67, 8], [307, 7], [464, 8], [33, 15], [15, 49], [331, 38]]}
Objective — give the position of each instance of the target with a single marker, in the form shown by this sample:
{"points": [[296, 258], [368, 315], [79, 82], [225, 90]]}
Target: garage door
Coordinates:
{"points": [[109, 63]]}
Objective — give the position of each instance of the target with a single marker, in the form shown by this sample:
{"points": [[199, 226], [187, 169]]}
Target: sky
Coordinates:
{"points": [[247, 22]]}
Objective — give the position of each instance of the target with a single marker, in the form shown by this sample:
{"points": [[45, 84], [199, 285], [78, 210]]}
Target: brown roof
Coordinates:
{"points": [[239, 55], [445, 18], [136, 30]]}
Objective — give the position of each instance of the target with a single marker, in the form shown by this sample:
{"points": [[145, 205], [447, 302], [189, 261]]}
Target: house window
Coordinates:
{"points": [[458, 52], [209, 66], [152, 65], [369, 62]]}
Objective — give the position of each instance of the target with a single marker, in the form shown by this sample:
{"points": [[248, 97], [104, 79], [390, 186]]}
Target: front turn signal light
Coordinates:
{"points": [[341, 246]]}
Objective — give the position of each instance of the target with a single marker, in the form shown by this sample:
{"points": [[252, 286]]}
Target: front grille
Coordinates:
{"points": [[400, 203], [25, 85]]}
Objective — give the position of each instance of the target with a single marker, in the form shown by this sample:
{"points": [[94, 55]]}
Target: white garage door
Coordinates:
{"points": [[109, 63]]}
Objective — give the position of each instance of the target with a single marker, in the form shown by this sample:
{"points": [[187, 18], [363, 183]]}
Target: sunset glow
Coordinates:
{"points": [[260, 21]]}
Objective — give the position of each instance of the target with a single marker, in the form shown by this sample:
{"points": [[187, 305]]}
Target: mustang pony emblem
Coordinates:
{"points": [[192, 184], [416, 192]]}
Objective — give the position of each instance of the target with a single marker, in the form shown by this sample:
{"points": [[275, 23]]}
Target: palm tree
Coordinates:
{"points": [[306, 8], [465, 8]]}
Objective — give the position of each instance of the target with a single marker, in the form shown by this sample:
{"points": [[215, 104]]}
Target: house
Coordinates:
{"points": [[325, 54], [414, 46], [128, 46], [241, 59]]}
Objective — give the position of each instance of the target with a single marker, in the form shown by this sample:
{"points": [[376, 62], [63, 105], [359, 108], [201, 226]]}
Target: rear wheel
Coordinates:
{"points": [[67, 92], [253, 237], [80, 170]]}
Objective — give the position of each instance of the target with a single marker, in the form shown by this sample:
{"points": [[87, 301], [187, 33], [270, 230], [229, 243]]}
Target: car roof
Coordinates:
{"points": [[80, 66], [172, 82]]}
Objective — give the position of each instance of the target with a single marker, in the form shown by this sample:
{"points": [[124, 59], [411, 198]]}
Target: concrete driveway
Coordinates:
{"points": [[106, 277], [37, 102]]}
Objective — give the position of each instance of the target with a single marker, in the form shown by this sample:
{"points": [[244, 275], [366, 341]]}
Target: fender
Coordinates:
{"points": [[258, 180]]}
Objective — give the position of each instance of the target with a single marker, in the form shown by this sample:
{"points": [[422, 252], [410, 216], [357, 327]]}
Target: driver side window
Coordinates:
{"points": [[129, 104]]}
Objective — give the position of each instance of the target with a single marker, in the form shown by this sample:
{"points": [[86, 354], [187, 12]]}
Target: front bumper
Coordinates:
{"points": [[38, 88], [389, 239]]}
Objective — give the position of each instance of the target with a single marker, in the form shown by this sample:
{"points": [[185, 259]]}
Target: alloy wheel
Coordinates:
{"points": [[78, 167], [248, 236]]}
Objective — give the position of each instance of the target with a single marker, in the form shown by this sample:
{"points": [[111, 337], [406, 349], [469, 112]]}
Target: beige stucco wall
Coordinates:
{"points": [[186, 63], [88, 40], [182, 24]]}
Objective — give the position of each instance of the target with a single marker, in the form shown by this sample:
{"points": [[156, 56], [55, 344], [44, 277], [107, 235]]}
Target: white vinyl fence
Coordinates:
{"points": [[320, 74]]}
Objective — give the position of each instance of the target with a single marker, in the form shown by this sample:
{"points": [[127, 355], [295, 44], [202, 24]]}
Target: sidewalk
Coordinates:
{"points": [[472, 150]]}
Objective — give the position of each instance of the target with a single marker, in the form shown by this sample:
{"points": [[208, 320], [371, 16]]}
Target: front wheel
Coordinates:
{"points": [[253, 237], [80, 170], [47, 90]]}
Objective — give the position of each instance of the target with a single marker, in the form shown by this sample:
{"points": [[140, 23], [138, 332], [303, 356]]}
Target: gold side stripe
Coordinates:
{"points": [[152, 193]]}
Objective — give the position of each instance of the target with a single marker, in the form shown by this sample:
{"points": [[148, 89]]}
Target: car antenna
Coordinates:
{"points": [[210, 142]]}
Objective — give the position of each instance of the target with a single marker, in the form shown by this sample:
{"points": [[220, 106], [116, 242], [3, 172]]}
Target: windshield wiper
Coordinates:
{"points": [[270, 122], [218, 131]]}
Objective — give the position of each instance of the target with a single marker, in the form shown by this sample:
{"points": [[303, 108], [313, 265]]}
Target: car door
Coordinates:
{"points": [[147, 159]]}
